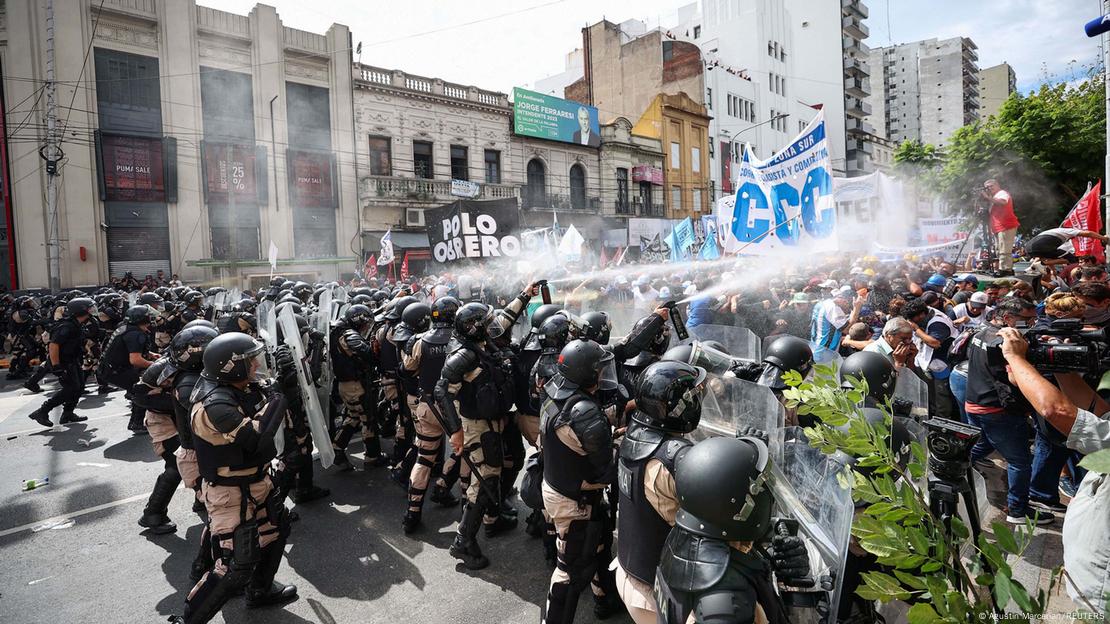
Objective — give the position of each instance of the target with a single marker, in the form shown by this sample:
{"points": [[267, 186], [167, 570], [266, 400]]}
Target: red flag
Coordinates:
{"points": [[405, 268], [603, 260], [370, 269], [1086, 215]]}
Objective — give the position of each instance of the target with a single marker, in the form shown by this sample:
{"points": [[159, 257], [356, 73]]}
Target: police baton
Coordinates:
{"points": [[464, 455]]}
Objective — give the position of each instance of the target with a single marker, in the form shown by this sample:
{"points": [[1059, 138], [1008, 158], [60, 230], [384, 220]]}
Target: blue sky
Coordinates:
{"points": [[498, 44]]}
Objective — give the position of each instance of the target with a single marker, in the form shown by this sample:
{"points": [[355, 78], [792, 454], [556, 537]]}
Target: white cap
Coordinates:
{"points": [[979, 299]]}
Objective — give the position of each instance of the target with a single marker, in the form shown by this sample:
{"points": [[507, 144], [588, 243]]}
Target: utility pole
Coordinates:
{"points": [[50, 155]]}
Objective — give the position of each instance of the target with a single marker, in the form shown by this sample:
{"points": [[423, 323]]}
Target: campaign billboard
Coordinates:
{"points": [[547, 117], [785, 203]]}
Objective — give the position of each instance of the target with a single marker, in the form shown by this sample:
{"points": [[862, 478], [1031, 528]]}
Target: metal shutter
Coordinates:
{"points": [[138, 250]]}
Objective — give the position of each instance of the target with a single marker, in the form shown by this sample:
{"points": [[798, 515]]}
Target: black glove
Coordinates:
{"points": [[789, 559], [747, 370], [747, 431]]}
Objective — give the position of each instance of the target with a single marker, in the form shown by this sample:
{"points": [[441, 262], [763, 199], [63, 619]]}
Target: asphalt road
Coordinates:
{"points": [[72, 551]]}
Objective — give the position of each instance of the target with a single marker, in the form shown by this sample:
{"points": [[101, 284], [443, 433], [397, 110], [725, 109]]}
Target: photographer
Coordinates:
{"points": [[1086, 533], [1055, 246], [997, 407], [1003, 222]]}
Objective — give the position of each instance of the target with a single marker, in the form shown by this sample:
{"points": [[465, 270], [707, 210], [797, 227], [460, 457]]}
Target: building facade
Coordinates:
{"points": [[195, 137], [415, 135], [996, 85], [929, 88], [682, 126]]}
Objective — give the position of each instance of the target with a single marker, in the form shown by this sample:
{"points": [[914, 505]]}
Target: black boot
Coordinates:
{"points": [[33, 386], [263, 590], [70, 417], [305, 491], [342, 462], [441, 495], [608, 605], [209, 598], [374, 457], [465, 546], [411, 522], [203, 561], [41, 416], [135, 425], [154, 516], [533, 524], [501, 525]]}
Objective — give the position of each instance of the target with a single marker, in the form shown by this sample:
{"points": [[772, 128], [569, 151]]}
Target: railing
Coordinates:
{"points": [[421, 189], [416, 84], [377, 76], [542, 201], [622, 207], [454, 91], [421, 84], [860, 66]]}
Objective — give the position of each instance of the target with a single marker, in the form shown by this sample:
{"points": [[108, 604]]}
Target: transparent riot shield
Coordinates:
{"points": [[912, 389], [322, 322], [738, 341], [267, 332], [729, 404], [714, 361], [132, 298], [313, 413], [813, 489], [265, 308], [826, 357], [339, 293]]}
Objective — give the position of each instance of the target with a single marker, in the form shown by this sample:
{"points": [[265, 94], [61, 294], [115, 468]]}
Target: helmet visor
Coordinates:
{"points": [[771, 377], [712, 360], [607, 380]]}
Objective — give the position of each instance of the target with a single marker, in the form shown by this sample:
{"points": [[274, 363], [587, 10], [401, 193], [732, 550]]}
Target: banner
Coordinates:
{"points": [[571, 244], [937, 231], [230, 168], [473, 229], [386, 254], [1087, 216], [547, 117], [133, 169], [310, 179], [785, 203]]}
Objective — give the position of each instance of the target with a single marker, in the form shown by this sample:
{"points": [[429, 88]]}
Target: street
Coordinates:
{"points": [[74, 553]]}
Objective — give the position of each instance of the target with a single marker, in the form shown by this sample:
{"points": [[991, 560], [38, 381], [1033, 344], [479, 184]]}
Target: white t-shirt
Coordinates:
{"points": [[1064, 235], [960, 311], [647, 300], [1086, 532]]}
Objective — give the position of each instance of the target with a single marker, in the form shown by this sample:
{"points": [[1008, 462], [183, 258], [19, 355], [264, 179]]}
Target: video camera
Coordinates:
{"points": [[949, 443], [1064, 347]]}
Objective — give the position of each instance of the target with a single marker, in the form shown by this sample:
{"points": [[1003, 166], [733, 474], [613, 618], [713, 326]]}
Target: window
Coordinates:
{"points": [[697, 200], [493, 167], [711, 152], [422, 159], [695, 159], [535, 193], [676, 198], [668, 50], [697, 31], [709, 98], [577, 186], [380, 156], [622, 189], [676, 155], [459, 168]]}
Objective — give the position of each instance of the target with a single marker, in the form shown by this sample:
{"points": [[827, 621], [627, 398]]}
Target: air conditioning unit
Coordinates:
{"points": [[414, 217]]}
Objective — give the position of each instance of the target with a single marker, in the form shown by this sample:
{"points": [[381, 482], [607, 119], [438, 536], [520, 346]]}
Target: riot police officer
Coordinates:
{"points": [[65, 354], [194, 306], [424, 357], [785, 353], [390, 411], [21, 325], [709, 568], [234, 424], [579, 463], [297, 473], [657, 337], [529, 399], [415, 320], [668, 406], [481, 387], [127, 356], [153, 393], [187, 349], [352, 363]]}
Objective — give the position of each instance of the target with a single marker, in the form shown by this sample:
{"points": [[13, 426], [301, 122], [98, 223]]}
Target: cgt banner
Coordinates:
{"points": [[473, 229], [783, 204]]}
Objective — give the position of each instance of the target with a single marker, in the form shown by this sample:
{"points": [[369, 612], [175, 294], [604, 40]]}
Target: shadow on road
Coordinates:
{"points": [[134, 449]]}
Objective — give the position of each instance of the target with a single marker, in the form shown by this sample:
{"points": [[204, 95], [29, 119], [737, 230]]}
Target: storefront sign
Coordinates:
{"points": [[310, 179], [465, 188], [132, 169], [231, 168], [647, 173]]}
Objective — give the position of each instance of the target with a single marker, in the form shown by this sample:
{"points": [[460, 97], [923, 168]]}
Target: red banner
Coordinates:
{"points": [[726, 166], [370, 269], [133, 169], [310, 175], [405, 268], [647, 173], [229, 168], [1086, 215]]}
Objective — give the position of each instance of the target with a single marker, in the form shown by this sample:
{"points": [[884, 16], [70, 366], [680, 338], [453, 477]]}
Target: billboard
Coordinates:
{"points": [[547, 117], [132, 169], [310, 179], [229, 169]]}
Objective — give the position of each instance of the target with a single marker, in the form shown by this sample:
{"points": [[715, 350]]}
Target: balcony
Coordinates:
{"points": [[857, 66], [561, 203], [851, 25], [424, 190], [854, 7], [369, 75], [853, 46], [856, 107], [857, 87], [859, 126], [859, 146]]}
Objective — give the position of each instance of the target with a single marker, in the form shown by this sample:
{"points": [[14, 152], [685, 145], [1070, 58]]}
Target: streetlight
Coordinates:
{"points": [[732, 138]]}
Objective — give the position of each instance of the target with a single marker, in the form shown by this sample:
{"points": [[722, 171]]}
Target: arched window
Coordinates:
{"points": [[577, 186], [535, 193]]}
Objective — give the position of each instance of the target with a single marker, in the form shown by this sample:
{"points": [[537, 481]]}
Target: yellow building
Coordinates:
{"points": [[682, 126]]}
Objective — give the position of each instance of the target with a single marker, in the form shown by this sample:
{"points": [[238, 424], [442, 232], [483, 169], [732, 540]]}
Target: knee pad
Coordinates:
{"points": [[492, 452], [244, 555]]}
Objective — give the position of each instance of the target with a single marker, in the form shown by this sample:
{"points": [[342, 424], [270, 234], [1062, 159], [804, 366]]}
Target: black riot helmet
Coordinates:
{"points": [[193, 297], [668, 396], [785, 353], [397, 308], [245, 305], [598, 327], [80, 306], [228, 357], [277, 281], [739, 512], [678, 353], [362, 300], [294, 305], [153, 300], [302, 327], [875, 369], [554, 332], [179, 291], [417, 316], [543, 313], [187, 347], [316, 294], [138, 315], [472, 320], [582, 361], [199, 323], [444, 310], [357, 316], [302, 291], [242, 322]]}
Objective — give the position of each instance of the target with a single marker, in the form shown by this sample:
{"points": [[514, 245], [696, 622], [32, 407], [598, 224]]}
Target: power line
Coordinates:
{"points": [[84, 61]]}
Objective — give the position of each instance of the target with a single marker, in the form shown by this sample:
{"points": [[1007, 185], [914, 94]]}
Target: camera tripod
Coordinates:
{"points": [[980, 226], [945, 493]]}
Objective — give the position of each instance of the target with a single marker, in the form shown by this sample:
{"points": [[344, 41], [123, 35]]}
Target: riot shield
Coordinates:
{"points": [[313, 413], [826, 357], [812, 488], [912, 389], [713, 361], [322, 322], [267, 332], [738, 341], [132, 299], [730, 404]]}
